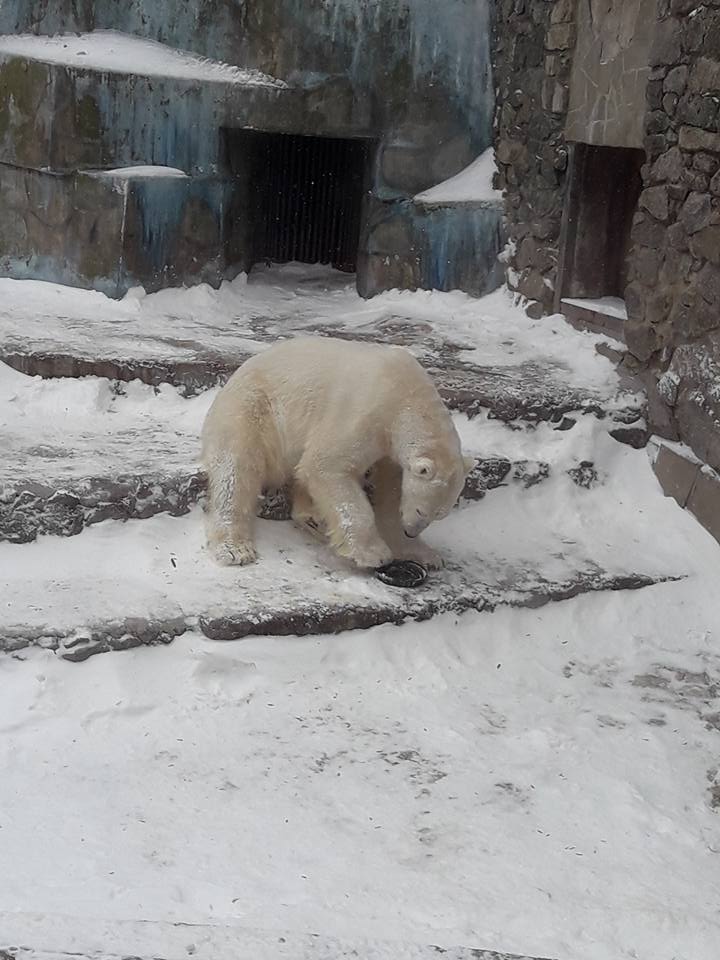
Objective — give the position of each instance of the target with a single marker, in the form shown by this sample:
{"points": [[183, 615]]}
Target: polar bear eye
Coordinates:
{"points": [[423, 467]]}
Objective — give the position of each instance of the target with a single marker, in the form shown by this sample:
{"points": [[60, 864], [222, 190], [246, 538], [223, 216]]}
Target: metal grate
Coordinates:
{"points": [[304, 195]]}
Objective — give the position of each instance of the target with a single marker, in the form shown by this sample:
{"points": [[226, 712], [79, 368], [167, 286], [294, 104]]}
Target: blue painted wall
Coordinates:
{"points": [[417, 73], [422, 67]]}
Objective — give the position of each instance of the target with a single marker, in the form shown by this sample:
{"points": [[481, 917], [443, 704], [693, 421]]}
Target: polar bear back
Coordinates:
{"points": [[319, 387]]}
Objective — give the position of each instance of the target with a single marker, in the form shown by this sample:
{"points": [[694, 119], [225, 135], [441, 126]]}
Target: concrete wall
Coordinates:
{"points": [[419, 69], [412, 75], [610, 72]]}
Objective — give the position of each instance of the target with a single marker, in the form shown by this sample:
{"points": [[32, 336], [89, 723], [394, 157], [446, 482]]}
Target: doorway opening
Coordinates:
{"points": [[602, 198], [296, 198]]}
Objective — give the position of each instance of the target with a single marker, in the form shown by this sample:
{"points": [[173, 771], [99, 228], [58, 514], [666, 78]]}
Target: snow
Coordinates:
{"points": [[240, 318], [474, 184], [158, 568], [110, 51], [144, 171], [502, 781], [530, 780], [609, 306], [87, 427]]}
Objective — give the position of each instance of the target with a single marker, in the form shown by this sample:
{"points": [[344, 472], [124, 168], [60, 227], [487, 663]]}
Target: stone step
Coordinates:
{"points": [[118, 585], [61, 938], [526, 392], [64, 507], [482, 353], [79, 452]]}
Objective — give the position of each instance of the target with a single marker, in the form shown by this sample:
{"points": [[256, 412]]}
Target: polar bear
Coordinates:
{"points": [[320, 416]]}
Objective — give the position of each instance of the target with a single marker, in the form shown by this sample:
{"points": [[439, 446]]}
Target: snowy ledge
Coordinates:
{"points": [[474, 184], [607, 306], [109, 51], [143, 172]]}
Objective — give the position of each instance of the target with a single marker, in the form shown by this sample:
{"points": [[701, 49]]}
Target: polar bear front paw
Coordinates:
{"points": [[232, 554], [421, 553], [368, 555]]}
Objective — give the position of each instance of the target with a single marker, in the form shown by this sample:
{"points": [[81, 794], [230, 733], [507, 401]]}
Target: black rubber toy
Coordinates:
{"points": [[402, 573]]}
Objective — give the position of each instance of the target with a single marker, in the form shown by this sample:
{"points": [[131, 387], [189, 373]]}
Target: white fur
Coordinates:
{"points": [[318, 414]]}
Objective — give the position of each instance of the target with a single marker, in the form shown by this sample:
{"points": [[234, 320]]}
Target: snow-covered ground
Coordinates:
{"points": [[529, 781], [542, 781]]}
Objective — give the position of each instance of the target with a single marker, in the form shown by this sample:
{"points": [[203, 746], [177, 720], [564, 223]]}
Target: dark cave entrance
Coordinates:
{"points": [[296, 198]]}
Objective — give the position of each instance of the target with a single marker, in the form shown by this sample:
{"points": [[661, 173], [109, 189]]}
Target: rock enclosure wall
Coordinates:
{"points": [[418, 68], [534, 41], [675, 291], [413, 76], [674, 297]]}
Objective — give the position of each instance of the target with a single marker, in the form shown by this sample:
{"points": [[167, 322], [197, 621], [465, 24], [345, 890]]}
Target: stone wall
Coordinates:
{"points": [[676, 258], [674, 297], [534, 41], [564, 76]]}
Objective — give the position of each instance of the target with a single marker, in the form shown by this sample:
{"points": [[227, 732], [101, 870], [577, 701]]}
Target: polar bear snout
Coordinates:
{"points": [[430, 490], [414, 525]]}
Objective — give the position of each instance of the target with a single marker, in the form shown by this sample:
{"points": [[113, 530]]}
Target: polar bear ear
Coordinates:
{"points": [[422, 467], [468, 463]]}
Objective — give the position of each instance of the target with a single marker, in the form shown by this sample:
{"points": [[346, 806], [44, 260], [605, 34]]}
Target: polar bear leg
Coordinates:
{"points": [[304, 512], [386, 481], [341, 505], [234, 491]]}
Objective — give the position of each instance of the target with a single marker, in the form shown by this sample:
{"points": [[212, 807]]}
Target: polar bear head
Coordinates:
{"points": [[431, 485]]}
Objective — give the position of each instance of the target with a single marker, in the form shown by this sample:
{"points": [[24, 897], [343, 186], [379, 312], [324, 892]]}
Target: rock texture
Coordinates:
{"points": [[533, 54], [674, 297], [634, 74], [675, 290]]}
